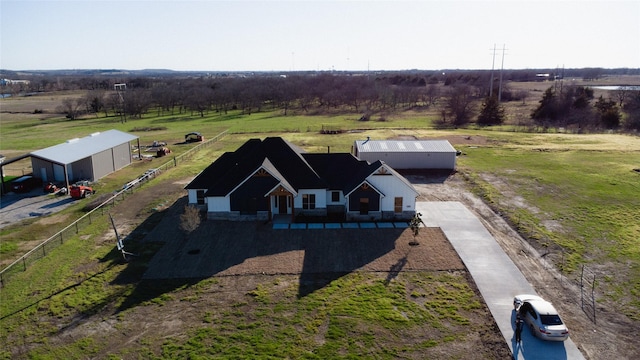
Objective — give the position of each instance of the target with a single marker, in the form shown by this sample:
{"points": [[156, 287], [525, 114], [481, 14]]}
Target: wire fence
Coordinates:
{"points": [[73, 229], [587, 293], [586, 281]]}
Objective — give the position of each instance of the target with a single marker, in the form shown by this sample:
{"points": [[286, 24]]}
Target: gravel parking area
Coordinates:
{"points": [[16, 207]]}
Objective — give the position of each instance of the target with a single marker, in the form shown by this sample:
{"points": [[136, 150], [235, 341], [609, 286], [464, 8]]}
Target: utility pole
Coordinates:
{"points": [[562, 79], [501, 69], [492, 66], [120, 89]]}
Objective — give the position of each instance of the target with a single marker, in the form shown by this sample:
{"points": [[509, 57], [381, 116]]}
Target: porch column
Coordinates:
{"points": [[293, 215]]}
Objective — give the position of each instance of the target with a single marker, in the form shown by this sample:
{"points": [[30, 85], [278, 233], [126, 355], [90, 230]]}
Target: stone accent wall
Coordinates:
{"points": [[236, 216]]}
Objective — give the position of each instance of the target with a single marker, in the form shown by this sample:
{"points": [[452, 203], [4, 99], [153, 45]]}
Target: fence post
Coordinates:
{"points": [[582, 288], [562, 268], [175, 163], [593, 297]]}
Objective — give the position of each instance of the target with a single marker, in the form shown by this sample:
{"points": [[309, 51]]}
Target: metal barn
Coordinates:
{"points": [[408, 154], [88, 158]]}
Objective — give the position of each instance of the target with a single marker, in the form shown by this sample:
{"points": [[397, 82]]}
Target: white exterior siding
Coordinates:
{"points": [[217, 204], [393, 187], [341, 200], [321, 198], [193, 196]]}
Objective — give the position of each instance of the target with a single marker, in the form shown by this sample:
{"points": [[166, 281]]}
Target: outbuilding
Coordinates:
{"points": [[88, 158], [408, 154]]}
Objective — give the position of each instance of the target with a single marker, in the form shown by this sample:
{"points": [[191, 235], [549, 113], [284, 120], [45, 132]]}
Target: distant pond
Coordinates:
{"points": [[618, 87]]}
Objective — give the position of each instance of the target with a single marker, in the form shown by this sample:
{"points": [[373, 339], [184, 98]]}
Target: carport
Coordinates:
{"points": [[7, 162]]}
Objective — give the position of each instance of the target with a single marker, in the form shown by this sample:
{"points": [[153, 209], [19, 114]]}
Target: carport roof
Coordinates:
{"points": [[77, 149]]}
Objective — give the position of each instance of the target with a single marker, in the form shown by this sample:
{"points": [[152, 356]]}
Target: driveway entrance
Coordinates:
{"points": [[496, 276]]}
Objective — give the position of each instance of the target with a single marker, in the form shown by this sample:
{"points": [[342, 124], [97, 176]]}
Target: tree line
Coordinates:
{"points": [[455, 95], [574, 107]]}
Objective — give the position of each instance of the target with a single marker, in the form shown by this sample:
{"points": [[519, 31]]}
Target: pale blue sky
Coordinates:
{"points": [[317, 35]]}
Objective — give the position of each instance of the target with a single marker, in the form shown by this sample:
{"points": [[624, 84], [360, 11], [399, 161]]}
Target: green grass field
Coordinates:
{"points": [[580, 198]]}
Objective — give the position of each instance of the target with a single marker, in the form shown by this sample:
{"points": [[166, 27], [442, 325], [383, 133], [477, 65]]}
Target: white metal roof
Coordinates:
{"points": [[80, 148], [404, 146]]}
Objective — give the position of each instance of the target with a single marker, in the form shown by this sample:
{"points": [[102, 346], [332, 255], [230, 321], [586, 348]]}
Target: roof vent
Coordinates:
{"points": [[95, 134], [72, 140], [368, 138]]}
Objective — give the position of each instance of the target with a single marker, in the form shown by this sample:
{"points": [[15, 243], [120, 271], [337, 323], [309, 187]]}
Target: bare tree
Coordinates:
{"points": [[199, 99], [459, 104], [71, 107], [432, 93], [94, 101], [622, 94], [522, 95], [137, 102], [190, 219]]}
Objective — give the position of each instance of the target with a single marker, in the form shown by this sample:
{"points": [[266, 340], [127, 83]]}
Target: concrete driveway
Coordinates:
{"points": [[496, 276]]}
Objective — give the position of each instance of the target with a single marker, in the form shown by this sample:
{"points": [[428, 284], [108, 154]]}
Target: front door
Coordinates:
{"points": [[364, 206], [282, 204]]}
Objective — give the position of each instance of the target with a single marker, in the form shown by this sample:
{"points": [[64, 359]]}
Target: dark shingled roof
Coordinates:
{"points": [[230, 169], [342, 171]]}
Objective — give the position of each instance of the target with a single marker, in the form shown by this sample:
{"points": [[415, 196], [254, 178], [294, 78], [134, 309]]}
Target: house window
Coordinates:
{"points": [[308, 201], [364, 206], [397, 205], [335, 196], [200, 197]]}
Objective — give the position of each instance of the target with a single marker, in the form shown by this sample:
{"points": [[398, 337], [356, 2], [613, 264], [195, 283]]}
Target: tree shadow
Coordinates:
{"points": [[395, 269]]}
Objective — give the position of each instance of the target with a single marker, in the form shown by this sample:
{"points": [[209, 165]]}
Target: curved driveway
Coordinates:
{"points": [[495, 275]]}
